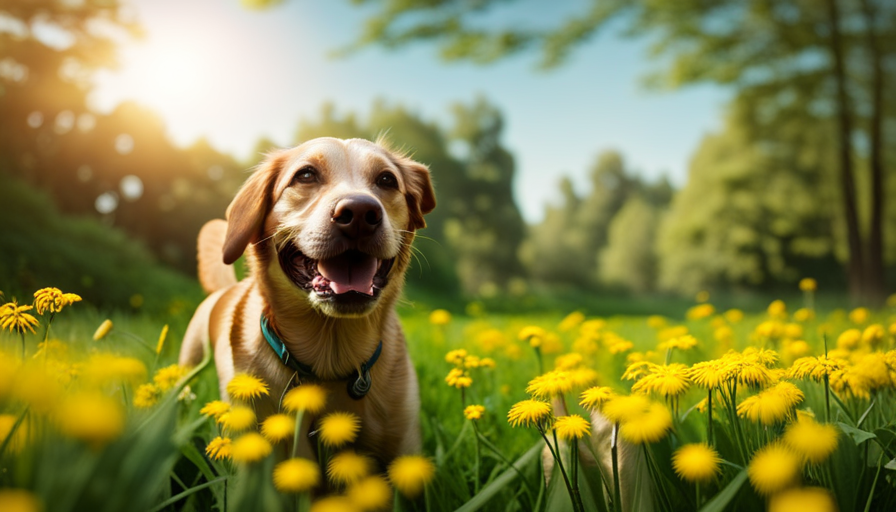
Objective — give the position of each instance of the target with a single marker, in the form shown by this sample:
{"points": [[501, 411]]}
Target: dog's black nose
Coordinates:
{"points": [[358, 216]]}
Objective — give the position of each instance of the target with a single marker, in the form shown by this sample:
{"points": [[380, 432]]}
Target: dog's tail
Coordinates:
{"points": [[214, 274]]}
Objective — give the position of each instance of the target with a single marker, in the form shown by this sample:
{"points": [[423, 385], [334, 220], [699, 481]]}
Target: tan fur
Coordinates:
{"points": [[214, 274], [270, 211], [630, 459]]}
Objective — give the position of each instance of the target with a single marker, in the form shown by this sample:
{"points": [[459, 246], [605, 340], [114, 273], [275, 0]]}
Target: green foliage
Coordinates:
{"points": [[41, 248], [629, 259], [750, 215], [575, 244]]}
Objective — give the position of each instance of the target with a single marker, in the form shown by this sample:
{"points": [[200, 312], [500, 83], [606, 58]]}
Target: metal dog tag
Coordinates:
{"points": [[361, 385]]}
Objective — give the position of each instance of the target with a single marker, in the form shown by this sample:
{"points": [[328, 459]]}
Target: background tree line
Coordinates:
{"points": [[768, 199]]}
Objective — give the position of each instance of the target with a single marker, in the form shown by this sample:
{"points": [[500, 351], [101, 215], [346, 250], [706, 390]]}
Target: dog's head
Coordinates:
{"points": [[331, 220]]}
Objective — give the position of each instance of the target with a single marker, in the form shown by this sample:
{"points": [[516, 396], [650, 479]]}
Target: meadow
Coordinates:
{"points": [[721, 409]]}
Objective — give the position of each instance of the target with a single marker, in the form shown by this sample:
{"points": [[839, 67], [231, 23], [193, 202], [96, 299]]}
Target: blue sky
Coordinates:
{"points": [[213, 69]]}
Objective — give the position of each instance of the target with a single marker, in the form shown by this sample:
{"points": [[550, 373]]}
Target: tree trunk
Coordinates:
{"points": [[855, 264], [874, 273]]}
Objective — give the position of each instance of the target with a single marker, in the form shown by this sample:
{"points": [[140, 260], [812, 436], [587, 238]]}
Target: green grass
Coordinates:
{"points": [[167, 442]]}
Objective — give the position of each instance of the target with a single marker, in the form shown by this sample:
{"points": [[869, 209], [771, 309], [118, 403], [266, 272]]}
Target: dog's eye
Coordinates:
{"points": [[305, 175], [387, 180]]}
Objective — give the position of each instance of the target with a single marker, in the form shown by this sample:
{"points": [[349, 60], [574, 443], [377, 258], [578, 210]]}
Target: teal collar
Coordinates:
{"points": [[358, 382]]}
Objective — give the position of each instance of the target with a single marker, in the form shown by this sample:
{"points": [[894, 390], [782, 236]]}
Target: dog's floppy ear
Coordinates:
{"points": [[247, 211], [420, 196]]}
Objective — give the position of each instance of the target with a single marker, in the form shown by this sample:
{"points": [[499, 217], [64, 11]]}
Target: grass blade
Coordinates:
{"points": [[721, 500], [508, 476]]}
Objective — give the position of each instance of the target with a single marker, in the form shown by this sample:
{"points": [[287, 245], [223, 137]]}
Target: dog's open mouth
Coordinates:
{"points": [[351, 271]]}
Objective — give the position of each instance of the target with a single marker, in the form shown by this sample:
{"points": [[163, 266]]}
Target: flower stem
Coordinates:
{"points": [[614, 451], [295, 437], [476, 460], [709, 437], [22, 334], [556, 454]]}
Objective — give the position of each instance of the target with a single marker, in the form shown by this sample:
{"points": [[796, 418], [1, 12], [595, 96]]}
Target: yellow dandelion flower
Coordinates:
{"points": [[45, 300], [456, 357], [793, 331], [370, 493], [859, 315], [806, 499], [439, 317], [709, 374], [166, 378], [146, 396], [572, 427], [593, 398], [568, 361], [339, 428], [734, 315], [685, 342], [490, 339], [582, 378], [219, 448], [454, 376], [90, 417], [807, 284], [622, 408], [19, 500], [533, 334], [696, 462], [471, 362], [14, 318], [162, 337], [773, 468], [307, 397], [592, 327], [102, 330], [348, 467], [667, 380], [700, 312], [873, 335], [656, 322], [296, 475], [246, 387], [474, 412], [250, 447], [795, 349], [529, 412], [278, 427], [571, 321], [849, 339], [486, 362], [410, 473], [239, 418], [754, 375], [637, 370], [791, 394], [803, 315], [768, 408], [330, 503], [777, 309], [552, 383], [815, 368], [620, 346], [215, 409], [811, 440], [649, 426]]}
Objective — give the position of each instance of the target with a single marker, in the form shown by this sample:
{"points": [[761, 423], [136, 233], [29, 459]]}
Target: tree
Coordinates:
{"points": [[629, 259], [807, 60], [753, 215]]}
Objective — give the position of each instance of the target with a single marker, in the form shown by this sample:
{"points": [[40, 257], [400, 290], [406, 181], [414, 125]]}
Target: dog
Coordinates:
{"points": [[326, 228]]}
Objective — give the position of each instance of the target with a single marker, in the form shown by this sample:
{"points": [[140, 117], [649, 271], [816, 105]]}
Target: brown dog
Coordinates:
{"points": [[327, 229]]}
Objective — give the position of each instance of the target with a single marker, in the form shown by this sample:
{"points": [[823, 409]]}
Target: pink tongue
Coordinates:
{"points": [[350, 271]]}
